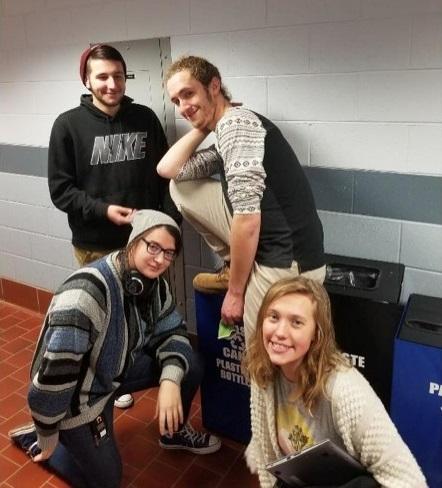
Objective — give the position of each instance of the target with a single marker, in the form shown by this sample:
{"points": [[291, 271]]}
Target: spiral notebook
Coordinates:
{"points": [[324, 463]]}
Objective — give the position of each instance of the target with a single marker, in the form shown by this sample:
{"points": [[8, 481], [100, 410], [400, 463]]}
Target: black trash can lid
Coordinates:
{"points": [[378, 281], [423, 321]]}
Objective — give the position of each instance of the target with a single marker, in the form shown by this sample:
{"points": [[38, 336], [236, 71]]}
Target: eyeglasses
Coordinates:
{"points": [[154, 249]]}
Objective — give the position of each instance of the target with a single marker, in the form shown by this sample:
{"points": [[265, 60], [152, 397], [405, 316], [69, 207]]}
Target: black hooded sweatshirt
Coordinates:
{"points": [[96, 160]]}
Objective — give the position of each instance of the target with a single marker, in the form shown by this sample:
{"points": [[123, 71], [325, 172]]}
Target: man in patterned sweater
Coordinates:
{"points": [[261, 218]]}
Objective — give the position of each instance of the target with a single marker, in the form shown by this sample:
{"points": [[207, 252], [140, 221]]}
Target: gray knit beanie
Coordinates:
{"points": [[146, 219]]}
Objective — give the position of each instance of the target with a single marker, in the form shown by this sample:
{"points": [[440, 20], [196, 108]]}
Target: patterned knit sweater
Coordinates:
{"points": [[89, 338], [359, 419], [260, 174]]}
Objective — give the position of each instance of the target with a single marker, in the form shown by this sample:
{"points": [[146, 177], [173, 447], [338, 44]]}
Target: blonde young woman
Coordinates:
{"points": [[304, 391]]}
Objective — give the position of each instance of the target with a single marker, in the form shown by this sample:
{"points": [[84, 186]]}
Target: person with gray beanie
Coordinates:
{"points": [[112, 328]]}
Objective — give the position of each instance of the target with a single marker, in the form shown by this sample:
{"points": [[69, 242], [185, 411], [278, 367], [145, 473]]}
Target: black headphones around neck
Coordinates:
{"points": [[133, 282]]}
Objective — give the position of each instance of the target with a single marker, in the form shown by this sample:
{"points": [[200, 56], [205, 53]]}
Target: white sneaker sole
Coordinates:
{"points": [[124, 404], [22, 430], [194, 450]]}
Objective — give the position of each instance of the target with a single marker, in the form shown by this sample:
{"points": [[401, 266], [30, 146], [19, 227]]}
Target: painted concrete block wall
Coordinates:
{"points": [[35, 243], [353, 84]]}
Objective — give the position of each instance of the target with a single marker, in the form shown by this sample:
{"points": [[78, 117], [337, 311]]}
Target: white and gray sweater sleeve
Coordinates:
{"points": [[74, 319], [241, 137], [201, 164], [170, 339], [369, 434]]}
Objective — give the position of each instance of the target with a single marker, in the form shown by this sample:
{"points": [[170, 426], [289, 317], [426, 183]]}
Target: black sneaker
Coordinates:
{"points": [[191, 440], [25, 437]]}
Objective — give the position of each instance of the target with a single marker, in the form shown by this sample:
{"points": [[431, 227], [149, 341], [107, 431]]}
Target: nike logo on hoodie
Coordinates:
{"points": [[118, 147]]}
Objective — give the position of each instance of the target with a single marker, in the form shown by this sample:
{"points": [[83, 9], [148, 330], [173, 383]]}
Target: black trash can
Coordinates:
{"points": [[416, 400], [364, 296]]}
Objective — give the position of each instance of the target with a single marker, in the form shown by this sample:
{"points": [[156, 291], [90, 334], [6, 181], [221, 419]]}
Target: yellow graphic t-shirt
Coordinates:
{"points": [[296, 427]]}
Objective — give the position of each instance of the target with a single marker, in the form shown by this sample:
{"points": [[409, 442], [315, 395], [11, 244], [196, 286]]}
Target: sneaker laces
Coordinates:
{"points": [[33, 449], [194, 436]]}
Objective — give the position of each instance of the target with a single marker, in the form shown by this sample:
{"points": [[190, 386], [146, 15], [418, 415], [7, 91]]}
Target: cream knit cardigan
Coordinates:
{"points": [[361, 421]]}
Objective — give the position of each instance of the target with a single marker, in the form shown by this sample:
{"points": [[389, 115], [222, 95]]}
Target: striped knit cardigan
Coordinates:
{"points": [[86, 346]]}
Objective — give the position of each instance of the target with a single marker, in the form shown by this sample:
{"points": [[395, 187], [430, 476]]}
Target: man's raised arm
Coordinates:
{"points": [[176, 157]]}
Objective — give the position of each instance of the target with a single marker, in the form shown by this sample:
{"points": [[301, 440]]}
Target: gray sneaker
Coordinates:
{"points": [[191, 440]]}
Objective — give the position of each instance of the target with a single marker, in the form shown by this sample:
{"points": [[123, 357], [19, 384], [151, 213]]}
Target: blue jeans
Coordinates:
{"points": [[85, 463]]}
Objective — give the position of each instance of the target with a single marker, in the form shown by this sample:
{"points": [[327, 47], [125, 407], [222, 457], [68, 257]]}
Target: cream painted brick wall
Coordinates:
{"points": [[425, 149], [286, 12], [313, 97], [35, 240], [12, 32], [49, 28], [20, 7], [18, 98], [30, 130], [422, 253], [30, 190], [48, 103], [16, 242], [401, 96], [44, 275], [52, 251], [151, 18], [251, 91], [426, 44], [392, 8], [86, 28], [216, 47], [228, 15], [351, 83], [372, 237], [58, 224], [359, 145], [23, 217], [360, 45], [272, 51]]}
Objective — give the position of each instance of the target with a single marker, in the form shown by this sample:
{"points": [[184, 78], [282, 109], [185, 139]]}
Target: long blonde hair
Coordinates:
{"points": [[322, 357]]}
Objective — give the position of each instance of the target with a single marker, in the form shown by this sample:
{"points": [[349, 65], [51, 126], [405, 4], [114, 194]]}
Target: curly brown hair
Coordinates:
{"points": [[201, 69], [322, 357]]}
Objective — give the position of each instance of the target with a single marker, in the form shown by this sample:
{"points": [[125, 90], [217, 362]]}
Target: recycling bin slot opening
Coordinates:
{"points": [[359, 277], [426, 326]]}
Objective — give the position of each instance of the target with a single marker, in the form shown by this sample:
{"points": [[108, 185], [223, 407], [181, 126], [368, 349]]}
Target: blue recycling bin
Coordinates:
{"points": [[225, 392], [416, 400]]}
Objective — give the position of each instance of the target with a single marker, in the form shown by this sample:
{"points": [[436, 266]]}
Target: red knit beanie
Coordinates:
{"points": [[110, 53], [83, 61]]}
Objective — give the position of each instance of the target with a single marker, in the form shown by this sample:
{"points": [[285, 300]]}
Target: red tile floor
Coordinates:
{"points": [[145, 464]]}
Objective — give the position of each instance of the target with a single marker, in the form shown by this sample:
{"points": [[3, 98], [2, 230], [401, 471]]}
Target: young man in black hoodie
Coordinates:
{"points": [[102, 161]]}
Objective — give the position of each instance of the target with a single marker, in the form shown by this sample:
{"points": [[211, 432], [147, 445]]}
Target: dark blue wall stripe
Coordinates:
{"points": [[24, 160], [399, 196], [390, 195]]}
